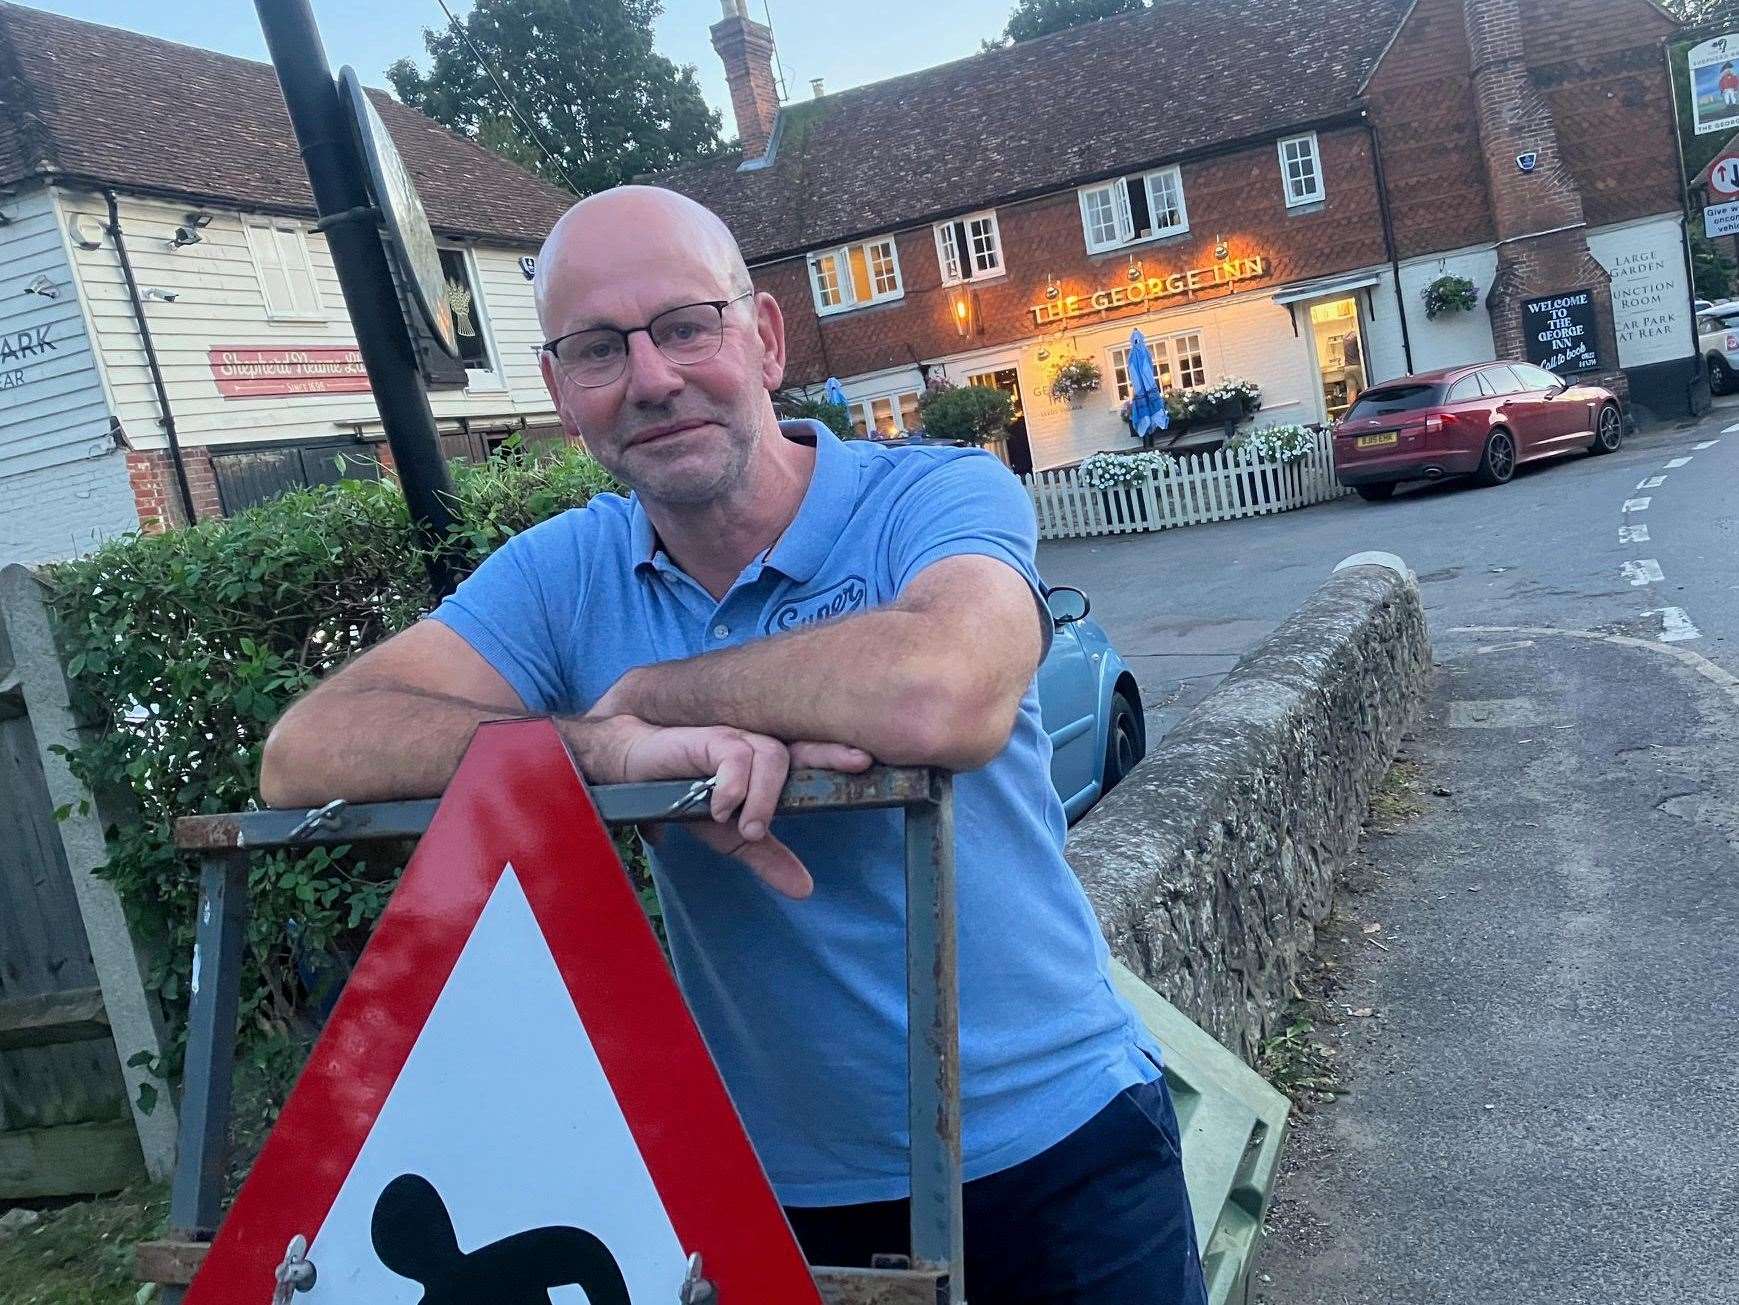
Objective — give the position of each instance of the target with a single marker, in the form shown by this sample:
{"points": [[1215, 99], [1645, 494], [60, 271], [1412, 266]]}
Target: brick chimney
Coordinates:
{"points": [[746, 47], [1541, 227]]}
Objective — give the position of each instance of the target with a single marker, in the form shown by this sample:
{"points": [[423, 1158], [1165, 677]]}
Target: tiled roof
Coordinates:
{"points": [[138, 113], [1120, 93]]}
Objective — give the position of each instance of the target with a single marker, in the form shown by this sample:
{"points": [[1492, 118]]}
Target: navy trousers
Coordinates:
{"points": [[1102, 1218]]}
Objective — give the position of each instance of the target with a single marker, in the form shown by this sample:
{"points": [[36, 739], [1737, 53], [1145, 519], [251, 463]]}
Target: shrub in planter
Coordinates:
{"points": [[1073, 378], [1287, 445], [1116, 475], [1449, 294], [1179, 413], [1284, 444], [1113, 470], [1228, 401], [975, 413]]}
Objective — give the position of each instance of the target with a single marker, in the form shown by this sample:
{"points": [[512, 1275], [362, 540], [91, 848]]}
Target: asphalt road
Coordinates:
{"points": [[1543, 1105]]}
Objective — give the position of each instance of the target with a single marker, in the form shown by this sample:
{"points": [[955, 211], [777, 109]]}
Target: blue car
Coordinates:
{"points": [[1089, 703]]}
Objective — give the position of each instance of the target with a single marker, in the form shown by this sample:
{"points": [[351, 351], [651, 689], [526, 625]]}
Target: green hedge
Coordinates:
{"points": [[184, 647], [976, 413]]}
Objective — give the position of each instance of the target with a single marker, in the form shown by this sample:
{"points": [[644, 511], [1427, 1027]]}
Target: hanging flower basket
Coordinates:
{"points": [[1073, 378], [1450, 294]]}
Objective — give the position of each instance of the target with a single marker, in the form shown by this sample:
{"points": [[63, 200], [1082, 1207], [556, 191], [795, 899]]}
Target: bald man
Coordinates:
{"points": [[770, 596]]}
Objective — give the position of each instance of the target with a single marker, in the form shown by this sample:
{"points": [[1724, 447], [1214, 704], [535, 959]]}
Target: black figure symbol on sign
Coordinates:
{"points": [[413, 1235]]}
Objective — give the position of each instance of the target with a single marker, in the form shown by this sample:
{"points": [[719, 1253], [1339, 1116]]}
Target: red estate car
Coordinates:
{"points": [[1481, 420]]}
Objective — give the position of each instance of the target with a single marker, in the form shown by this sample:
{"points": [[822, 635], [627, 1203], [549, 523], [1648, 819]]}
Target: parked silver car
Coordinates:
{"points": [[1090, 705]]}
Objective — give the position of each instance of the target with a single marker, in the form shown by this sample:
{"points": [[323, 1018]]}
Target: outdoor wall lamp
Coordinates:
{"points": [[86, 231], [1051, 288], [188, 233], [44, 287], [161, 296], [1220, 250], [961, 312], [1134, 269]]}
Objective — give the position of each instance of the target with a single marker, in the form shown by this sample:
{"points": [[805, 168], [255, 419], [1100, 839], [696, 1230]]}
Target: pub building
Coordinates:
{"points": [[1267, 190]]}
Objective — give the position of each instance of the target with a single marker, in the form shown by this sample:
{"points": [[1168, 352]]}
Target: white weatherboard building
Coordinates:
{"points": [[185, 160]]}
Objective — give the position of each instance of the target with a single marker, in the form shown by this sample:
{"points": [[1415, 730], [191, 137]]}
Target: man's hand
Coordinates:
{"points": [[751, 770]]}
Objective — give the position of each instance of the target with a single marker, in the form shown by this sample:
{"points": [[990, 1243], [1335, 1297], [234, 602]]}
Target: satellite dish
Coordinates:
{"points": [[407, 226]]}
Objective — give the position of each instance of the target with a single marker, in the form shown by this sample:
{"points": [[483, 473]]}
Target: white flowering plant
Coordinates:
{"points": [[1113, 470], [1284, 444], [1228, 398], [1074, 377]]}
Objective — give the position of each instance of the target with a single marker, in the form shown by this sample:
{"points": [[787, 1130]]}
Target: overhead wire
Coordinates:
{"points": [[507, 96]]}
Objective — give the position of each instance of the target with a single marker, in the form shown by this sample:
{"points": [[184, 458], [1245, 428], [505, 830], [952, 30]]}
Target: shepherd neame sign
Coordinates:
{"points": [[1151, 288], [243, 371]]}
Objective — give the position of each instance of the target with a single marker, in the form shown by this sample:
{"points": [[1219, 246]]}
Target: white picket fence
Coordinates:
{"points": [[1197, 488]]}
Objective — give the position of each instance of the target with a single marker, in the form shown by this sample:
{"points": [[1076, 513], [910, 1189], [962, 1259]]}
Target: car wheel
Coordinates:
{"points": [[1720, 375], [1498, 463], [1123, 745], [1608, 430], [1376, 493]]}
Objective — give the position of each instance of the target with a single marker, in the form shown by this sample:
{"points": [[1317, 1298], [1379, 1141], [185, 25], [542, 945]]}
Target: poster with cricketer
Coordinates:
{"points": [[1714, 72], [510, 1103]]}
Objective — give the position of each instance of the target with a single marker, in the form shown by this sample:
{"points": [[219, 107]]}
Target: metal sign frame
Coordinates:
{"points": [[401, 212], [935, 1275]]}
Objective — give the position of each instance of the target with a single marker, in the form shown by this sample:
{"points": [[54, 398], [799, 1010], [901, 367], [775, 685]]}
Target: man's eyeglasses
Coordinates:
{"points": [[688, 334]]}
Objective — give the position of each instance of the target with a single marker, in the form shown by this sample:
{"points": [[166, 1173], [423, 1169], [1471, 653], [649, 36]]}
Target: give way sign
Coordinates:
{"points": [[511, 1103]]}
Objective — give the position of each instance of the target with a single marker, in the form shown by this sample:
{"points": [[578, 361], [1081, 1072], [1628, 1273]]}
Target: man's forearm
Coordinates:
{"points": [[379, 743], [875, 681]]}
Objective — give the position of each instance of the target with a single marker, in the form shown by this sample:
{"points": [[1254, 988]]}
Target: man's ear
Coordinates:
{"points": [[770, 325], [546, 364]]}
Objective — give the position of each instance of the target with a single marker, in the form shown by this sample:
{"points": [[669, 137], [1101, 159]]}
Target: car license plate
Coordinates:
{"points": [[1378, 441]]}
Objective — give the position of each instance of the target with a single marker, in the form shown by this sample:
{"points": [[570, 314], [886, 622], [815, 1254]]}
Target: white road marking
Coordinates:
{"points": [[1646, 572], [1653, 482], [1505, 647], [1637, 504], [1676, 463], [1706, 444], [1676, 625], [1633, 534], [1719, 676], [1728, 430]]}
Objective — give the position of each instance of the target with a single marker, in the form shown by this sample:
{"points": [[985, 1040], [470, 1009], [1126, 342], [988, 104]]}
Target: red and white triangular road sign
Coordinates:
{"points": [[511, 1103]]}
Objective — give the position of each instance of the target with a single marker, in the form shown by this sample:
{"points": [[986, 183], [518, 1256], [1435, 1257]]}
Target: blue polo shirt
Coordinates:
{"points": [[803, 1003]]}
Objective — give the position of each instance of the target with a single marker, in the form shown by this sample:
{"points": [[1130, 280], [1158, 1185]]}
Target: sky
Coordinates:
{"points": [[847, 42]]}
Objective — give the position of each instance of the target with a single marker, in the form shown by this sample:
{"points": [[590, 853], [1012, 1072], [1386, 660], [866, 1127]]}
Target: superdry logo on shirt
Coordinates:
{"points": [[849, 595]]}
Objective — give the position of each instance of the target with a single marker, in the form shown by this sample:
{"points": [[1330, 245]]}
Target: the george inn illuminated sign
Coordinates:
{"points": [[1151, 288]]}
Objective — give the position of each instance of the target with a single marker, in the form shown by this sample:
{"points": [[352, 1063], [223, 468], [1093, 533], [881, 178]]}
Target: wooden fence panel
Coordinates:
{"points": [[42, 941], [73, 1003]]}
